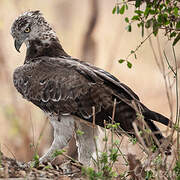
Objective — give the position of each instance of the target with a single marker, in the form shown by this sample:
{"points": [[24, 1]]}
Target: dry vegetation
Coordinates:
{"points": [[23, 126]]}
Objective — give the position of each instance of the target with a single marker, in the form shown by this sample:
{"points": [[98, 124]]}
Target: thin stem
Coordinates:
{"points": [[169, 97], [10, 151], [95, 143], [177, 103], [78, 164], [123, 156], [141, 43], [169, 63], [106, 137], [112, 129]]}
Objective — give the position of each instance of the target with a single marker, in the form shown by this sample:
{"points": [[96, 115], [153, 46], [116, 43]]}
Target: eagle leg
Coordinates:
{"points": [[63, 132], [85, 141]]}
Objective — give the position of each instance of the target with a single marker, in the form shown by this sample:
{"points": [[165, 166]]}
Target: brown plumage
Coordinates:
{"points": [[59, 84]]}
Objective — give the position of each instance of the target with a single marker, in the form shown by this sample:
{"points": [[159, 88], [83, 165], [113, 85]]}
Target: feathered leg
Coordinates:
{"points": [[63, 132], [85, 141]]}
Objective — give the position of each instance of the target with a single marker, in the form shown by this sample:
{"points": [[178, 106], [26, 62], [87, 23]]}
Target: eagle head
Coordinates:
{"points": [[31, 26]]}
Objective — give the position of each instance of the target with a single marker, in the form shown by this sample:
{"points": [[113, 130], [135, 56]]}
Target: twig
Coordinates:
{"points": [[95, 143], [177, 104], [141, 43], [10, 151], [162, 70], [78, 164], [123, 156], [168, 94], [114, 110], [169, 63], [106, 139], [112, 129], [140, 138], [33, 131]]}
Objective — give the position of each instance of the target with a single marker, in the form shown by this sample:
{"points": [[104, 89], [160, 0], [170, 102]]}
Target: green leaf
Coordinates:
{"points": [[178, 25], [79, 132], [152, 12], [176, 39], [104, 157], [167, 22], [148, 23], [36, 157], [138, 3], [35, 161], [162, 6], [177, 168], [162, 18], [146, 12], [135, 56], [121, 61], [135, 18], [139, 12], [114, 10], [149, 175], [173, 34], [47, 167], [127, 19], [129, 65], [133, 140], [129, 28], [126, 7], [176, 9], [155, 27], [113, 154], [142, 32], [58, 152], [121, 11], [117, 9]]}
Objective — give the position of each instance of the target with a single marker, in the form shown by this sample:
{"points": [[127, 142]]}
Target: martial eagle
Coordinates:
{"points": [[66, 88]]}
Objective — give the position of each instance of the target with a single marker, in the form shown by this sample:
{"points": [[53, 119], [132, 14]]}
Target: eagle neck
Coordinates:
{"points": [[37, 48]]}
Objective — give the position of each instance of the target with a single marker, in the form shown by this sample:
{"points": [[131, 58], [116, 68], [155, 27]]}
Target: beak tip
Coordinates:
{"points": [[17, 45]]}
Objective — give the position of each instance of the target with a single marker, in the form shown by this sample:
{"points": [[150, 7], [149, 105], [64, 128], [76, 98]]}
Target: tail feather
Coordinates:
{"points": [[155, 130], [149, 117], [157, 117]]}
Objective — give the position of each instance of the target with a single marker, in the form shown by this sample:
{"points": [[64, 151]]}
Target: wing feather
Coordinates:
{"points": [[58, 84]]}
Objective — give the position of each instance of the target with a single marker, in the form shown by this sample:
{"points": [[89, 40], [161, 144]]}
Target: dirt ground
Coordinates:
{"points": [[11, 168]]}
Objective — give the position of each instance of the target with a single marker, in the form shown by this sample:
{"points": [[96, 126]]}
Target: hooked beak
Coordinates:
{"points": [[17, 44]]}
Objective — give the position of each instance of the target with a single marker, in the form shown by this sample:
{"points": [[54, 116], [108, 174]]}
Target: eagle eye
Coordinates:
{"points": [[27, 30]]}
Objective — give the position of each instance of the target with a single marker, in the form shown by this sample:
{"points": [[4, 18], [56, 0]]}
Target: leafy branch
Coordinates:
{"points": [[156, 15]]}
